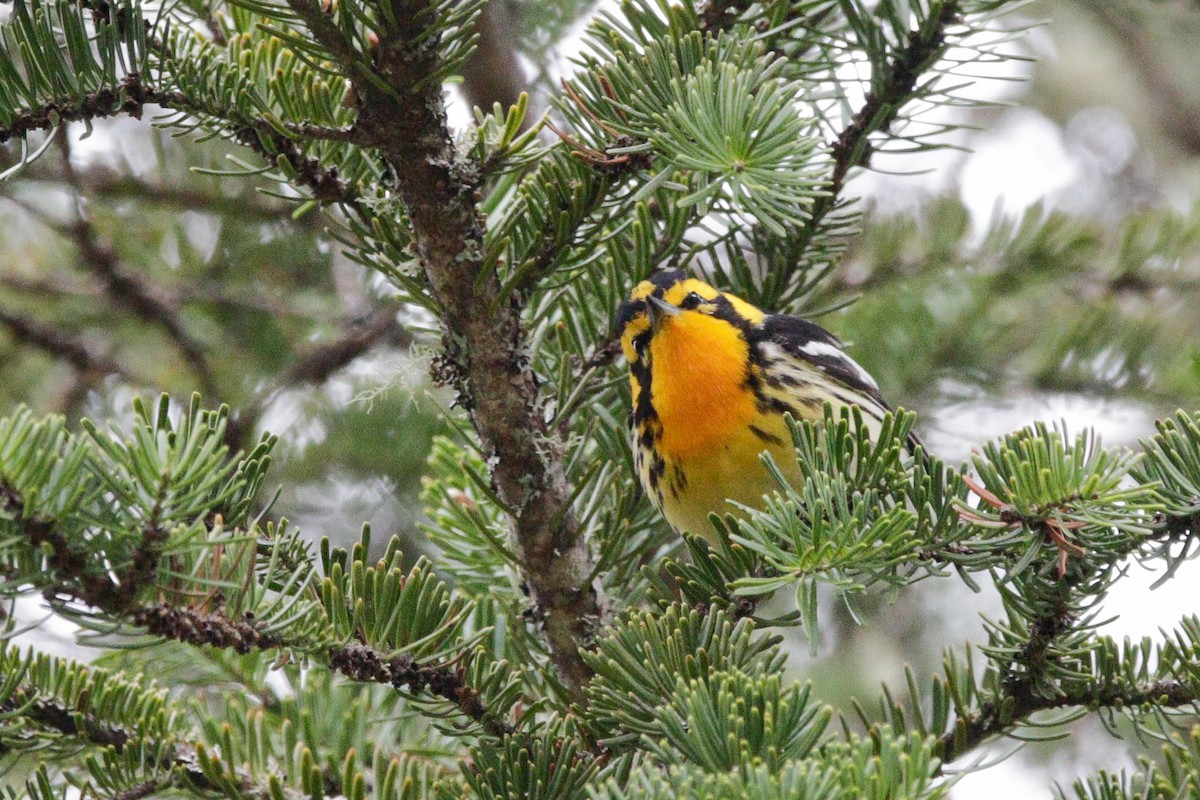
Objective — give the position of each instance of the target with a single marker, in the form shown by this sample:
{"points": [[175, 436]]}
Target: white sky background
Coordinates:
{"points": [[1023, 158]]}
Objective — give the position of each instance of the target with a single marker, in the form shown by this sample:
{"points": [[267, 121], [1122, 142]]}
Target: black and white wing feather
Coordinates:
{"points": [[806, 355]]}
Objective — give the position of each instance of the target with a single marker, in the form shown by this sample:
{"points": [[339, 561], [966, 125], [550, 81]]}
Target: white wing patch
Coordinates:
{"points": [[817, 349]]}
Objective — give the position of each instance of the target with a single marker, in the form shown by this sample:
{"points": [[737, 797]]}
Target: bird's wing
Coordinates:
{"points": [[820, 349]]}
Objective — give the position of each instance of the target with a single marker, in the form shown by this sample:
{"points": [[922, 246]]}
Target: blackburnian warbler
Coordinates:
{"points": [[712, 377]]}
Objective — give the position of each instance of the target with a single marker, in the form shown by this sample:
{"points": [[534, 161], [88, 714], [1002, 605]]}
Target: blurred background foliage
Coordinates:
{"points": [[1055, 255]]}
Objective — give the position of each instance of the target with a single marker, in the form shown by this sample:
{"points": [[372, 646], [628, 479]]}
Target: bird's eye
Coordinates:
{"points": [[692, 301]]}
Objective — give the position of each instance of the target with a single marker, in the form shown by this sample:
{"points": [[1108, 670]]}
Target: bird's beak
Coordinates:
{"points": [[659, 309]]}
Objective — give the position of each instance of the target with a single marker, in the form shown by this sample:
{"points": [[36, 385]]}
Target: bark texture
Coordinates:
{"points": [[485, 344]]}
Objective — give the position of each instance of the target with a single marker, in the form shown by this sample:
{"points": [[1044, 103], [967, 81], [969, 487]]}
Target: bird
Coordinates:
{"points": [[711, 378]]}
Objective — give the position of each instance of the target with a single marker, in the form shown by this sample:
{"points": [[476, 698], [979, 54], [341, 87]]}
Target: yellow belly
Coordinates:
{"points": [[725, 474]]}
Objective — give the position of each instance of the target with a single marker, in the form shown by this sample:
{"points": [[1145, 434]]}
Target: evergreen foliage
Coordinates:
{"points": [[557, 641]]}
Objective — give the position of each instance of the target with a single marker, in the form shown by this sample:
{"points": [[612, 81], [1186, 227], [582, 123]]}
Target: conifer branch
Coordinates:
{"points": [[1034, 677], [69, 565], [356, 661], [91, 728], [1001, 714], [112, 589], [882, 104], [61, 719], [134, 94], [115, 591], [485, 344], [880, 108], [128, 99]]}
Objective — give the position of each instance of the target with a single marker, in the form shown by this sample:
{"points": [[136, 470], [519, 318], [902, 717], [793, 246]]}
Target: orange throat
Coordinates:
{"points": [[699, 366]]}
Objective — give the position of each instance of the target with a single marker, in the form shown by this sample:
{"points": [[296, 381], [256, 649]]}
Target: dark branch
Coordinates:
{"points": [[1169, 93], [144, 789], [199, 628], [492, 73], [321, 361], [357, 661], [881, 107], [69, 566], [113, 588], [485, 355], [363, 663], [325, 183], [63, 720], [60, 345]]}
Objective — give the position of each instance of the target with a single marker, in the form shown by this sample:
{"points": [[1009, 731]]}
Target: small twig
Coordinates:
{"points": [[880, 108], [63, 720], [178, 761], [144, 789], [1052, 528], [364, 663], [357, 661]]}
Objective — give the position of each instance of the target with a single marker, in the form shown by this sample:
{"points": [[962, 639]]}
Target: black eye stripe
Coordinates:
{"points": [[693, 300], [725, 310]]}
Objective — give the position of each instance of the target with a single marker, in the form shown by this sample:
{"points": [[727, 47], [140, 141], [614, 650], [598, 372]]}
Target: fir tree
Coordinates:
{"points": [[560, 642]]}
